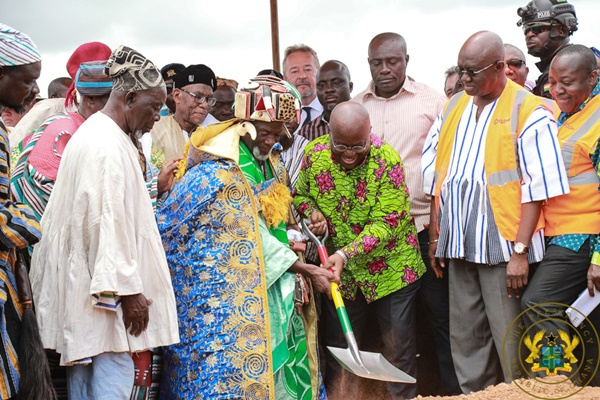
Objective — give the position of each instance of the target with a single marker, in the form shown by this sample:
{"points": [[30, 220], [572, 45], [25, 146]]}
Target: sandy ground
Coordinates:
{"points": [[547, 388]]}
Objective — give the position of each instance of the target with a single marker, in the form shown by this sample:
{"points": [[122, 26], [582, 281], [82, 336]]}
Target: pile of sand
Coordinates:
{"points": [[547, 388]]}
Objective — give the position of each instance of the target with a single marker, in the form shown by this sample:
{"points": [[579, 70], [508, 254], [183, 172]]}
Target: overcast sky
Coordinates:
{"points": [[233, 36]]}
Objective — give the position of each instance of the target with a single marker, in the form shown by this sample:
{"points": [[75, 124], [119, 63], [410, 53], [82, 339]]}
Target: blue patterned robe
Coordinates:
{"points": [[212, 241]]}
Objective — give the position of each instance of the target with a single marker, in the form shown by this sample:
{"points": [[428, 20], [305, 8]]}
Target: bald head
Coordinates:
{"points": [[488, 45], [516, 69], [573, 76], [350, 131], [58, 87], [388, 37], [513, 50], [348, 115], [481, 60], [334, 65], [580, 58]]}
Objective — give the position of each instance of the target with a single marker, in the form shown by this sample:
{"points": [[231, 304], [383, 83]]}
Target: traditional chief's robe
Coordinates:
{"points": [[230, 273], [100, 239]]}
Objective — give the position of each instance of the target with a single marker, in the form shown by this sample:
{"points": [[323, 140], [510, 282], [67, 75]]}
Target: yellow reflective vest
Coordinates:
{"points": [[503, 173], [579, 210]]}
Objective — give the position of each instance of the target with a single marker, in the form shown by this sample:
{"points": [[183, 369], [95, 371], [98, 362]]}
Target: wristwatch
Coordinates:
{"points": [[520, 248]]}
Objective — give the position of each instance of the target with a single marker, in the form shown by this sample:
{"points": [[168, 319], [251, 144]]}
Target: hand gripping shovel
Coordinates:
{"points": [[362, 363]]}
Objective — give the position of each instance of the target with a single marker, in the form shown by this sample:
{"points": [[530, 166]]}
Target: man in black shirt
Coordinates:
{"points": [[547, 25]]}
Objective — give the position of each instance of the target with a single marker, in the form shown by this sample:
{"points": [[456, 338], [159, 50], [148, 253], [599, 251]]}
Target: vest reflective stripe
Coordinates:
{"points": [[514, 118], [587, 178], [501, 178], [567, 151], [579, 210], [567, 154], [503, 174], [451, 104]]}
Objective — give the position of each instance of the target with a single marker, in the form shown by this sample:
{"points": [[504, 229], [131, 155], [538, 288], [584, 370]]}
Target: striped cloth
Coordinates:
{"points": [[90, 79], [16, 48], [151, 179], [18, 229], [316, 109], [403, 121], [467, 229], [292, 158], [314, 129], [28, 185], [148, 368]]}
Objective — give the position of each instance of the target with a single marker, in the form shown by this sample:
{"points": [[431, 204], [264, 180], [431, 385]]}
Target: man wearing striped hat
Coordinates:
{"points": [[43, 110], [35, 173], [20, 66]]}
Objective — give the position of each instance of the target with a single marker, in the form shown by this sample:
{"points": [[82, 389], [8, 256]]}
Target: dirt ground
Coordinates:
{"points": [[547, 388]]}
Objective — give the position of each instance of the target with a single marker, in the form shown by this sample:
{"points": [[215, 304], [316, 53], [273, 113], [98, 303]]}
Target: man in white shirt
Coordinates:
{"points": [[99, 275], [485, 214]]}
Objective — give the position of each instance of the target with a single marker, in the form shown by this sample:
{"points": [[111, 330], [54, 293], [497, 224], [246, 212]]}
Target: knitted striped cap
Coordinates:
{"points": [[90, 79], [16, 48]]}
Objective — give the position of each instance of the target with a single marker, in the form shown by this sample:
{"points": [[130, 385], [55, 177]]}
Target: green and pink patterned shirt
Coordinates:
{"points": [[368, 216]]}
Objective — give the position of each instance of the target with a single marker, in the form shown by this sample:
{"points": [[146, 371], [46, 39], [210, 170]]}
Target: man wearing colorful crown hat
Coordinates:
{"points": [[224, 231]]}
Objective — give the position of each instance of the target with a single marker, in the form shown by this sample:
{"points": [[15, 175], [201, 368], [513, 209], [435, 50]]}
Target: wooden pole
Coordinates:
{"points": [[275, 35]]}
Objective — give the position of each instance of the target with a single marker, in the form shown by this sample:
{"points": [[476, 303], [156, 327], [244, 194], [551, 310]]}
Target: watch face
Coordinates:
{"points": [[519, 248]]}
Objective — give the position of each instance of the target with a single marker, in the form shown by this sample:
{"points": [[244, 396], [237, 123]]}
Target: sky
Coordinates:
{"points": [[233, 37]]}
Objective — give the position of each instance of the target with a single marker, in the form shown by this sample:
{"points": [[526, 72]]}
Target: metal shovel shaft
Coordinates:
{"points": [[362, 363]]}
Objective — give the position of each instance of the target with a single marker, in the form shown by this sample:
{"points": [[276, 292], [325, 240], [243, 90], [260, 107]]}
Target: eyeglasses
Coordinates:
{"points": [[459, 71], [199, 99], [169, 87], [515, 64], [537, 28], [343, 148]]}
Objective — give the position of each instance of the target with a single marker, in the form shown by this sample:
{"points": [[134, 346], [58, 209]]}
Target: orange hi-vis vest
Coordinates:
{"points": [[503, 173], [579, 210]]}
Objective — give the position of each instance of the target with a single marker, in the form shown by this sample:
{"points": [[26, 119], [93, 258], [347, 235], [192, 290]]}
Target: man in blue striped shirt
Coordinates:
{"points": [[490, 160]]}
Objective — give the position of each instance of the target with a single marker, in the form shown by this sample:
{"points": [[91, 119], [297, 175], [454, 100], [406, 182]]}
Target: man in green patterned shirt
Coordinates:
{"points": [[352, 184]]}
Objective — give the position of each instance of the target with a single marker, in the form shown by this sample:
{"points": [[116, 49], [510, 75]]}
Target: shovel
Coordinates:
{"points": [[362, 363]]}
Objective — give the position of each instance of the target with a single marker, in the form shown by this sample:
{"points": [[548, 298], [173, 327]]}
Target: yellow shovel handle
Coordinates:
{"points": [[338, 301]]}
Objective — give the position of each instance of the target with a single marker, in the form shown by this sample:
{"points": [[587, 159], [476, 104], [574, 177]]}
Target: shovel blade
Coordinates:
{"points": [[375, 366]]}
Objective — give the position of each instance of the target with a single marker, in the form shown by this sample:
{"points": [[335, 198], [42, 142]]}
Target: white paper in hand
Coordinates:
{"points": [[583, 306]]}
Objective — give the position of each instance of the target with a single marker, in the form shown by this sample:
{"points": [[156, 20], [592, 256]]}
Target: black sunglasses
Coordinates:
{"points": [[469, 71], [515, 62], [536, 29]]}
